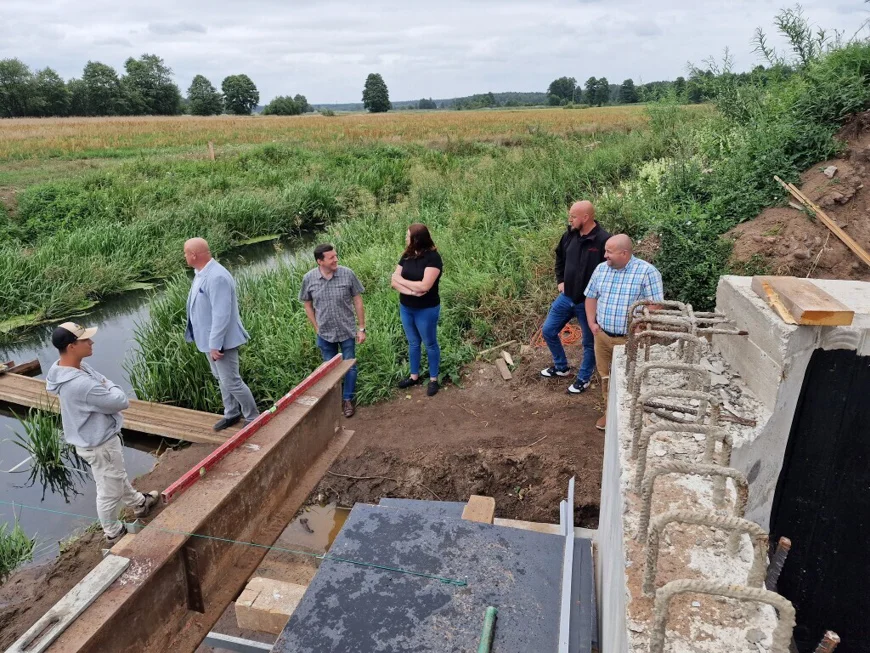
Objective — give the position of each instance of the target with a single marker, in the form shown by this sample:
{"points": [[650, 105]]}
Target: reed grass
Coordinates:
{"points": [[16, 548]]}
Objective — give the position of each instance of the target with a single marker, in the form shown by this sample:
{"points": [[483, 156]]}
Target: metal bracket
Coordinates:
{"points": [[191, 576]]}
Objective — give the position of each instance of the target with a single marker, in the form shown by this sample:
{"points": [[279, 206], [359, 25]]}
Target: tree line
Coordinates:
{"points": [[144, 88]]}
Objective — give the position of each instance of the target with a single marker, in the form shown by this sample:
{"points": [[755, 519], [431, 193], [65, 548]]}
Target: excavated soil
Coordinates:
{"points": [[789, 241], [518, 441]]}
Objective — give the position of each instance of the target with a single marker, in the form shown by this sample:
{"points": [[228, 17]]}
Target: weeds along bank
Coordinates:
{"points": [[495, 214]]}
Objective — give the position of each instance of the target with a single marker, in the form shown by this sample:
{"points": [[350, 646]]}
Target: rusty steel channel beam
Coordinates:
{"points": [[191, 557]]}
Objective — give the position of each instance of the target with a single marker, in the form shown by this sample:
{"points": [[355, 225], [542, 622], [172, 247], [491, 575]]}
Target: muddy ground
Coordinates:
{"points": [[518, 441]]}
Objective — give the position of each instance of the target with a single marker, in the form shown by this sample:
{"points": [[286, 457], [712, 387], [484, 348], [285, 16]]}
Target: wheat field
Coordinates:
{"points": [[34, 138]]}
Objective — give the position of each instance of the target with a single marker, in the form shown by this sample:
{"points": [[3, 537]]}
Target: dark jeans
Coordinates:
{"points": [[348, 350], [421, 326], [561, 312]]}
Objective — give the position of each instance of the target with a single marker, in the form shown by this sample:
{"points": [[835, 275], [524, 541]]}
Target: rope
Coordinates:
{"points": [[569, 336], [319, 556]]}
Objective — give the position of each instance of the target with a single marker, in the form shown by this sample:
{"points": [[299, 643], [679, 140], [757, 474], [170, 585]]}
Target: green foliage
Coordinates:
{"points": [[627, 92], [102, 95], [203, 98], [283, 106], [329, 113], [16, 81], [563, 88], [302, 101], [54, 462], [15, 549], [426, 104], [240, 94], [148, 87], [376, 96]]}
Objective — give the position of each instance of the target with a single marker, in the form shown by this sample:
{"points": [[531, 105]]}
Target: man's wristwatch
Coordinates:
{"points": [[362, 329]]}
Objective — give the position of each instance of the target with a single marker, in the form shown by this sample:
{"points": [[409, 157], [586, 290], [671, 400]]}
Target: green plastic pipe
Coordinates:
{"points": [[488, 628]]}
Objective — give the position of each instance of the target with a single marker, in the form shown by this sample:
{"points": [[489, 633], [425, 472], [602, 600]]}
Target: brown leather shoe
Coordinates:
{"points": [[347, 406], [601, 424]]}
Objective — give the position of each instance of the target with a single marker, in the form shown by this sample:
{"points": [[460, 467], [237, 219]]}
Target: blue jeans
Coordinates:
{"points": [[348, 350], [421, 325], [561, 312]]}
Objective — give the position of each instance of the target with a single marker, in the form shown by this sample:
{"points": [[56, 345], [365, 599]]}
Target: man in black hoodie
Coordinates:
{"points": [[578, 253]]}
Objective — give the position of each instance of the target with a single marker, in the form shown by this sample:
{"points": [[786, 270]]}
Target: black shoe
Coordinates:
{"points": [[348, 408], [226, 422], [407, 383], [578, 387], [550, 372], [432, 388]]}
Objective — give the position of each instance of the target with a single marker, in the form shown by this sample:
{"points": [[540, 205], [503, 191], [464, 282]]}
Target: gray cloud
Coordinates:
{"points": [[325, 49], [165, 29]]}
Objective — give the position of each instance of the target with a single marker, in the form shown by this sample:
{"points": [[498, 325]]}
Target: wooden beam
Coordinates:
{"points": [[145, 417], [800, 301], [229, 519], [30, 368], [847, 240], [52, 624], [480, 509], [503, 369]]}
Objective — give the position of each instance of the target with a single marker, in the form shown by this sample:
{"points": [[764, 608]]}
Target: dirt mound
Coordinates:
{"points": [[789, 241]]}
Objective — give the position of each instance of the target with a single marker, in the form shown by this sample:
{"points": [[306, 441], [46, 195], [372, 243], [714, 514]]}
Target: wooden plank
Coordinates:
{"points": [[479, 509], [503, 369], [507, 358], [847, 240], [803, 301], [64, 612], [142, 416]]}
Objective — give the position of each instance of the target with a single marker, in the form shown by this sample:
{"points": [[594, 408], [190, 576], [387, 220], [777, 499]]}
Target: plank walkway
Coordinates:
{"points": [[142, 416]]}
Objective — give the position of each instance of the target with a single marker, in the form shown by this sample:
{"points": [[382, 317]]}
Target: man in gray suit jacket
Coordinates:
{"points": [[213, 323]]}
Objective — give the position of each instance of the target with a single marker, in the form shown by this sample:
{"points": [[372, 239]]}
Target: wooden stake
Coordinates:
{"points": [[847, 240]]}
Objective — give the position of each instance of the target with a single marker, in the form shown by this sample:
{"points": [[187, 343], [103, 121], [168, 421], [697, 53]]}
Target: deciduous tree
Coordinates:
{"points": [[376, 96], [240, 94], [203, 98]]}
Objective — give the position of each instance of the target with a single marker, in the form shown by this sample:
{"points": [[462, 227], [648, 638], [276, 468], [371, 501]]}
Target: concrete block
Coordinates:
{"points": [[265, 605], [759, 372], [479, 509]]}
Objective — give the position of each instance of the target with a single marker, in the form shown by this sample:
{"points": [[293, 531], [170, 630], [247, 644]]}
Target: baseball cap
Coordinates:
{"points": [[68, 332]]}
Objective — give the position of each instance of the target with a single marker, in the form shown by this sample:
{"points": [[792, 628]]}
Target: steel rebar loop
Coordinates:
{"points": [[692, 354], [776, 563], [734, 525], [713, 435], [674, 467], [829, 642], [782, 634], [705, 400]]}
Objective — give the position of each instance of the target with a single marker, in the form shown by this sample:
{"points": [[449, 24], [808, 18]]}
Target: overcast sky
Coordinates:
{"points": [[325, 48]]}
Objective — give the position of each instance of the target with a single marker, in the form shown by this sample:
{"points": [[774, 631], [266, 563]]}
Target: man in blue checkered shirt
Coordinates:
{"points": [[615, 285]]}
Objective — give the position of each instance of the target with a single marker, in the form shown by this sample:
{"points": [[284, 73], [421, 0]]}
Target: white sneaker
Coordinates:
{"points": [[550, 372]]}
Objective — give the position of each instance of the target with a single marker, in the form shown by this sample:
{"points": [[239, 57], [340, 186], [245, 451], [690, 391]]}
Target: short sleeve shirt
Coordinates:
{"points": [[333, 302], [617, 290], [412, 270]]}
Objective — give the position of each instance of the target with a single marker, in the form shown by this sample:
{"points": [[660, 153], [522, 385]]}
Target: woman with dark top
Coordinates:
{"points": [[416, 279]]}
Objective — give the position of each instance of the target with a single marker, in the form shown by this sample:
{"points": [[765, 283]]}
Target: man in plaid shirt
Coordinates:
{"points": [[615, 285]]}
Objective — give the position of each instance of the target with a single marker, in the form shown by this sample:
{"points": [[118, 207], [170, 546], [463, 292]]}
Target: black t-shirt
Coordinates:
{"points": [[412, 270]]}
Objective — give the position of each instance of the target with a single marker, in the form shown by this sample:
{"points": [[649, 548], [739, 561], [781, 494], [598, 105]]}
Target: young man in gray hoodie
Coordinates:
{"points": [[90, 409]]}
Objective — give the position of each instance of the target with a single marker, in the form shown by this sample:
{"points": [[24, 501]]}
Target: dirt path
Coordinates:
{"points": [[518, 441]]}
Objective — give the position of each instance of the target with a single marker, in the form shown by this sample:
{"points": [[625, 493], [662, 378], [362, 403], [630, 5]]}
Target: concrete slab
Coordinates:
{"points": [[351, 607]]}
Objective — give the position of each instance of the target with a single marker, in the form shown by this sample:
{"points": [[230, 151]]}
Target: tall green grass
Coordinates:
{"points": [[15, 549], [495, 216], [54, 463]]}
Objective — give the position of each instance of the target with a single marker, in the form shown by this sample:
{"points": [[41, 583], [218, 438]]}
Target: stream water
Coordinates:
{"points": [[113, 345]]}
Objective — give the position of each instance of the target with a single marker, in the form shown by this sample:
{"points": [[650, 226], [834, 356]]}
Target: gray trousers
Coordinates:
{"points": [[235, 394]]}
